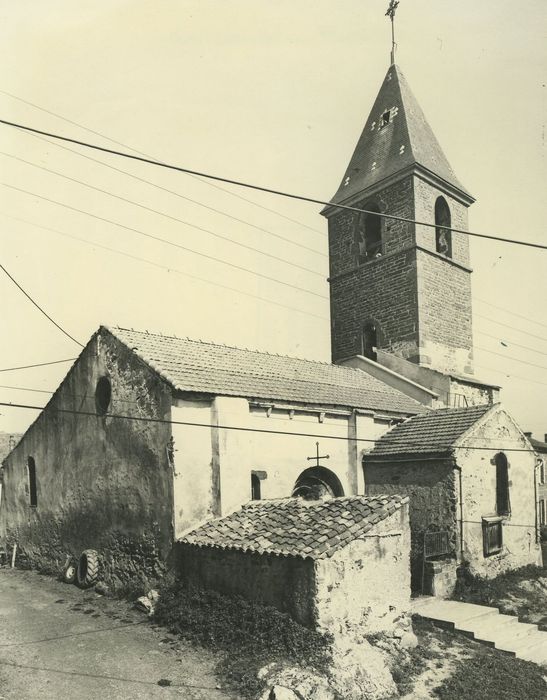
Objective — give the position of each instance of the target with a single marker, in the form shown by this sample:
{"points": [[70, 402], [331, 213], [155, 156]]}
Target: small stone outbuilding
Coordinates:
{"points": [[471, 476], [340, 565]]}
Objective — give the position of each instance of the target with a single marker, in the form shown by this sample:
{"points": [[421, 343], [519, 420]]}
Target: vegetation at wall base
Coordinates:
{"points": [[521, 592], [490, 675], [250, 635]]}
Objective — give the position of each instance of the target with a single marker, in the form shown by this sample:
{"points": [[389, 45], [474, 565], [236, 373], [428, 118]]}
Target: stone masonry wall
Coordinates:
{"points": [[383, 289], [433, 501], [286, 583], [102, 483], [444, 300], [365, 587], [498, 433]]}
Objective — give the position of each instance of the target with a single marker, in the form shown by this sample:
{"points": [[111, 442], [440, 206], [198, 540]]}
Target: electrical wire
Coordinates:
{"points": [[385, 440], [511, 376], [510, 357], [167, 242], [40, 309], [511, 342], [511, 313], [205, 182], [259, 188], [177, 194], [170, 269], [507, 325], [39, 364], [168, 216]]}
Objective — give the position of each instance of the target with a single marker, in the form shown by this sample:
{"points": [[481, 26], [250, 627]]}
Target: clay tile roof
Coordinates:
{"points": [[294, 527], [195, 366], [430, 434], [405, 141]]}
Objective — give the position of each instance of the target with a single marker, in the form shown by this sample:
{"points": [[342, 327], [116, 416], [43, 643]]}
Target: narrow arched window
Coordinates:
{"points": [[369, 341], [502, 485], [255, 487], [368, 234], [443, 237], [31, 475]]}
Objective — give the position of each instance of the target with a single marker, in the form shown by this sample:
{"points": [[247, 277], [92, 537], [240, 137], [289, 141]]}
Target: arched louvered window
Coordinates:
{"points": [[368, 234], [443, 237]]}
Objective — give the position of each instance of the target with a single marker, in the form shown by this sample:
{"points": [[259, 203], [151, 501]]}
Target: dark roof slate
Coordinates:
{"points": [[407, 140], [430, 434], [195, 366], [538, 445], [294, 527]]}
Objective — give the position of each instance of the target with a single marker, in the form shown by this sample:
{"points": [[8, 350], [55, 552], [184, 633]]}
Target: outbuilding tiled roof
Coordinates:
{"points": [[195, 366], [405, 140], [294, 527], [430, 434]]}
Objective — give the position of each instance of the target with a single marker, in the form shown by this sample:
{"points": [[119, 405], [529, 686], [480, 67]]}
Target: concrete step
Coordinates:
{"points": [[487, 625], [536, 656]]}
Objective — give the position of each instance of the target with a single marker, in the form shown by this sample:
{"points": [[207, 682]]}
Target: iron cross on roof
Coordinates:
{"points": [[318, 456]]}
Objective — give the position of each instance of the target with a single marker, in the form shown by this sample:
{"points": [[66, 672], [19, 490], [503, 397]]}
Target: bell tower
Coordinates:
{"points": [[398, 287]]}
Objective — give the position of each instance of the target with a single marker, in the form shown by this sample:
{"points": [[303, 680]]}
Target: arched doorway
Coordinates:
{"points": [[317, 483]]}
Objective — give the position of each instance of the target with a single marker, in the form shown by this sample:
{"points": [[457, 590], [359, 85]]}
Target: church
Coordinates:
{"points": [[149, 437]]}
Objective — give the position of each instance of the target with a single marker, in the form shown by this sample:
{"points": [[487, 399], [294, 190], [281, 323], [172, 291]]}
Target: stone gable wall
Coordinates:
{"points": [[364, 588], [102, 483], [498, 433], [431, 486]]}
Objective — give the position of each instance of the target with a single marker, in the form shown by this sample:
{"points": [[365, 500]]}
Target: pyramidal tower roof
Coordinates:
{"points": [[396, 137]]}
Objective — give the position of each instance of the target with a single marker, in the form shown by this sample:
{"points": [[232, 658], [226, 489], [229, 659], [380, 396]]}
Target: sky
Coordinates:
{"points": [[274, 94]]}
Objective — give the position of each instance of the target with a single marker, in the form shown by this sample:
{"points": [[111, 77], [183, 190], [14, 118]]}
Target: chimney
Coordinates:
{"points": [[545, 438], [528, 435]]}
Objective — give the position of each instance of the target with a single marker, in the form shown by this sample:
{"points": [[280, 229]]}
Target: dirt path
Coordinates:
{"points": [[57, 641]]}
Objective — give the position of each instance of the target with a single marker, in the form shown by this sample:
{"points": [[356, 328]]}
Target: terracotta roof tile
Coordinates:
{"points": [[195, 366], [309, 528], [431, 434]]}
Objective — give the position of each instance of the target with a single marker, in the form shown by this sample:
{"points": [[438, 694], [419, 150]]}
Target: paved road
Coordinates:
{"points": [[57, 641]]}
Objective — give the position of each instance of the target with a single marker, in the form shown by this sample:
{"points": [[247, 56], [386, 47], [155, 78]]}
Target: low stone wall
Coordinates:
{"points": [[440, 578]]}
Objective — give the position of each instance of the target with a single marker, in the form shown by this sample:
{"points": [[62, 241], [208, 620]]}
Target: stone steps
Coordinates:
{"points": [[487, 625]]}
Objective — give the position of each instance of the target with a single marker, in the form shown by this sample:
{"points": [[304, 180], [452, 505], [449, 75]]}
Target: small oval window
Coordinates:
{"points": [[103, 394]]}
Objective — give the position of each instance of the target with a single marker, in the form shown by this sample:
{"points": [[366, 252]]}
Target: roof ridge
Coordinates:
{"points": [[224, 345]]}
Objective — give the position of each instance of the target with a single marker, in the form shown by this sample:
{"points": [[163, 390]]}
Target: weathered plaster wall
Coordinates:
{"points": [[365, 587], [431, 486], [102, 482], [195, 493], [499, 433], [287, 583]]}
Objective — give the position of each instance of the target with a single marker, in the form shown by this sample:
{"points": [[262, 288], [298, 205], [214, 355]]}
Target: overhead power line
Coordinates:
{"points": [[145, 419], [259, 188], [169, 268], [511, 313], [510, 357], [39, 364], [511, 376], [168, 216], [166, 241], [40, 309], [507, 325], [124, 145], [178, 194], [509, 343]]}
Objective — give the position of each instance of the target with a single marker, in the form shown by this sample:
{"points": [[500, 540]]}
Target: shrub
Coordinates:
{"points": [[250, 634]]}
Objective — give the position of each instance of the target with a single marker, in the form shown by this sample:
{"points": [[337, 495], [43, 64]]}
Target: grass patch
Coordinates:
{"points": [[522, 592], [488, 674], [250, 635]]}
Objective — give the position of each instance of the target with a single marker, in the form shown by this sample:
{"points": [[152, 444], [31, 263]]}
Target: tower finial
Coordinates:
{"points": [[393, 4]]}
